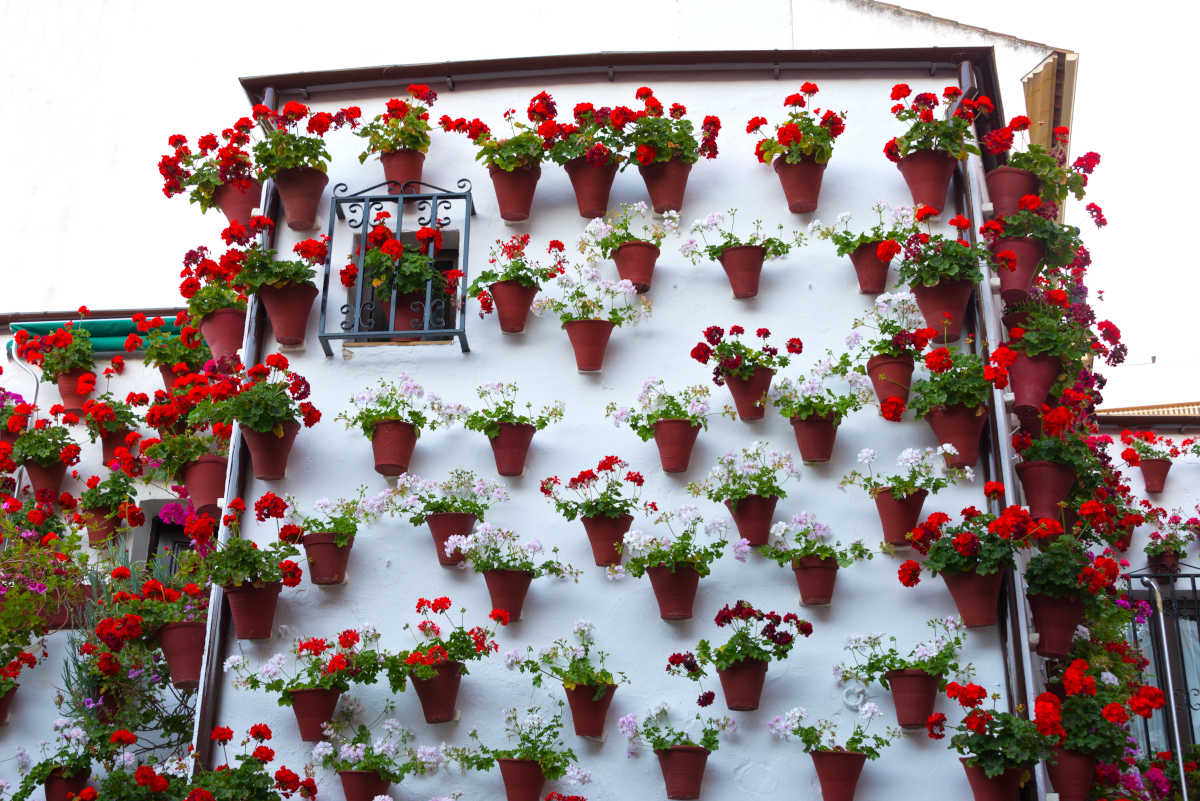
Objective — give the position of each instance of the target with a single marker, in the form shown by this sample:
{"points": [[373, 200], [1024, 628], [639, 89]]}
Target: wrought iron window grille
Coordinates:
{"points": [[427, 317]]}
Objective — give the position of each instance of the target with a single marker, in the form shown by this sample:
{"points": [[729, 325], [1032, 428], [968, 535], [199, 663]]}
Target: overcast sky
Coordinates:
{"points": [[92, 89]]}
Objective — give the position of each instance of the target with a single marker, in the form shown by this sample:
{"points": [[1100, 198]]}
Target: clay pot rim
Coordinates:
{"points": [[682, 747], [743, 247], [639, 243], [781, 161], [493, 169], [325, 538], [827, 563], [693, 425], [830, 417], [589, 320]]}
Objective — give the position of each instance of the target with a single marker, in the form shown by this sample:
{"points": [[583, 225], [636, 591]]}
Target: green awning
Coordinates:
{"points": [[108, 336]]}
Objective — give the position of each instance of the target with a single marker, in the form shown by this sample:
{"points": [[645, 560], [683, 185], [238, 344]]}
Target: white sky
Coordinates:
{"points": [[93, 89]]}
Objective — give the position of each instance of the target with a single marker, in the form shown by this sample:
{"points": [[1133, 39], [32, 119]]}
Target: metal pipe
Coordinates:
{"points": [[1177, 741]]}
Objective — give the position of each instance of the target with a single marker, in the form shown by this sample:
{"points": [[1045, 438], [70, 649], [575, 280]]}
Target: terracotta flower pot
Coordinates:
{"points": [[168, 377], [1071, 774], [513, 301], [6, 702], [268, 452], [223, 331], [801, 183], [815, 578], [589, 339], [1046, 485], [238, 200], [68, 384], [109, 442], [635, 261], [872, 273], [1005, 787], [837, 773], [815, 437], [899, 515], [675, 592], [313, 707], [1154, 473], [588, 712], [675, 440], [392, 445], [591, 184], [1164, 566], [1055, 620], [252, 608], [743, 266], [742, 683], [204, 480], [928, 174], [604, 533], [748, 392], [400, 167], [326, 561], [752, 516], [439, 695], [363, 785], [523, 779], [287, 308], [976, 597], [913, 694], [49, 479], [1015, 284], [514, 191], [666, 182], [300, 191], [890, 376], [945, 307], [1031, 378], [100, 527], [507, 589], [682, 769], [183, 646], [444, 525], [59, 787], [1007, 185], [511, 446], [961, 427]]}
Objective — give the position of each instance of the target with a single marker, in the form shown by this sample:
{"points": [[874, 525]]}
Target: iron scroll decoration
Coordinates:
{"points": [[427, 319]]}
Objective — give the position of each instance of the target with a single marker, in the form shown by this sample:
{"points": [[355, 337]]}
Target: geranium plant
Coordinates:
{"points": [[508, 261], [757, 470], [584, 295], [991, 740], [163, 347], [395, 268], [898, 328], [107, 415], [358, 748], [1141, 445], [261, 267], [165, 456], [810, 397], [463, 492], [928, 258], [570, 663], [805, 536], [1064, 570], [657, 732], [493, 548], [114, 497], [207, 283], [593, 136], [886, 235], [920, 470], [239, 561], [631, 222], [535, 738], [65, 350], [956, 378], [319, 663], [71, 753], [47, 444], [735, 358], [1035, 220], [265, 397], [774, 246], [523, 149], [1047, 328], [981, 543], [1090, 718], [500, 406], [446, 642], [808, 134], [1056, 179], [403, 126], [680, 547], [401, 400], [655, 403], [607, 491], [212, 165], [284, 147], [341, 517], [756, 636], [823, 735], [1172, 535], [655, 137], [250, 777], [872, 658], [929, 131]]}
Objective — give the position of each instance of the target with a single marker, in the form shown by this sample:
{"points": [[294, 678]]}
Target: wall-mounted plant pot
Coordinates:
{"points": [[913, 694], [183, 646], [838, 773], [589, 340], [743, 267], [392, 445], [961, 427], [683, 770], [363, 785], [510, 447], [944, 306], [1007, 185], [439, 695], [635, 261], [748, 393], [871, 272], [666, 183], [514, 191], [675, 439], [815, 578], [592, 185], [899, 515], [252, 607], [300, 190], [890, 376], [444, 525], [327, 562], [1016, 284], [513, 301], [288, 307], [815, 436], [68, 390], [752, 516], [238, 200], [269, 452], [675, 592], [928, 174], [801, 183], [45, 479], [976, 597], [742, 683], [223, 331], [400, 167], [523, 779], [204, 480], [313, 707], [588, 712], [507, 589], [604, 534]]}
